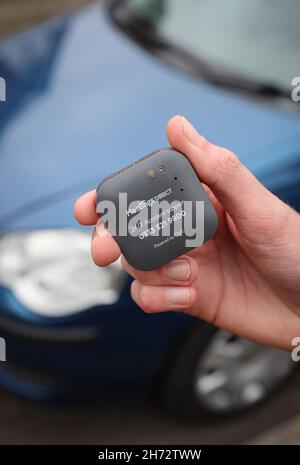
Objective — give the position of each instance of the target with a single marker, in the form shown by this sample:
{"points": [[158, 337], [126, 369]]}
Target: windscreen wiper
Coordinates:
{"points": [[145, 33]]}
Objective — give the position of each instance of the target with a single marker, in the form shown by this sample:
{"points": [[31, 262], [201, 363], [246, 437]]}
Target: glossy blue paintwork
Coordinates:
{"points": [[95, 101], [83, 101]]}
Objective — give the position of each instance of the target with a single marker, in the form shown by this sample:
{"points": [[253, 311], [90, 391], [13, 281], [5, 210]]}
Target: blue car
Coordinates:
{"points": [[86, 94]]}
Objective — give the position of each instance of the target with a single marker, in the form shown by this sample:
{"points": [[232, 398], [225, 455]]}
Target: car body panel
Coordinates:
{"points": [[97, 103], [84, 101]]}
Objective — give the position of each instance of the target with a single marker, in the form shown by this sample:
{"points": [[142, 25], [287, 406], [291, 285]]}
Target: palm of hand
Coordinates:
{"points": [[234, 294]]}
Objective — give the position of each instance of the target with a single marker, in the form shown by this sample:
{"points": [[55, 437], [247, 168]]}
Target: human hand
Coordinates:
{"points": [[246, 279]]}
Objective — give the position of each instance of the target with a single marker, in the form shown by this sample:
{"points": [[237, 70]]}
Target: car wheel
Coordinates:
{"points": [[214, 373]]}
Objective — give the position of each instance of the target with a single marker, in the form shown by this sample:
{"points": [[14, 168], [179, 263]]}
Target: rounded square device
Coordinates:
{"points": [[156, 209]]}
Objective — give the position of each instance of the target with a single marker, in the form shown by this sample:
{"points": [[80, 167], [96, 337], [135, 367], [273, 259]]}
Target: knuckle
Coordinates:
{"points": [[228, 162], [203, 143]]}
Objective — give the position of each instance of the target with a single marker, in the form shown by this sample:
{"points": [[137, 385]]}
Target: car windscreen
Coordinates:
{"points": [[255, 40]]}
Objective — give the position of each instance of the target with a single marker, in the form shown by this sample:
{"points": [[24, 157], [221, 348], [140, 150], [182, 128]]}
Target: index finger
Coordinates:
{"points": [[85, 209]]}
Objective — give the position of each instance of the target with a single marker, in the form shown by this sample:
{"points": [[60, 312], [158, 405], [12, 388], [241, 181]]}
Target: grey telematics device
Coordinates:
{"points": [[156, 209]]}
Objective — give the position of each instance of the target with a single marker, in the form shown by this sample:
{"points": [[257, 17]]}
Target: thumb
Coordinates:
{"points": [[240, 193]]}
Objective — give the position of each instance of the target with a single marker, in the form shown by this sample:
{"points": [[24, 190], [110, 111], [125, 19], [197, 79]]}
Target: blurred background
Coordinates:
{"points": [[89, 88]]}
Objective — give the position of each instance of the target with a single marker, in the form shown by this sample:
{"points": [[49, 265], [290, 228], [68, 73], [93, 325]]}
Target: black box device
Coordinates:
{"points": [[156, 209]]}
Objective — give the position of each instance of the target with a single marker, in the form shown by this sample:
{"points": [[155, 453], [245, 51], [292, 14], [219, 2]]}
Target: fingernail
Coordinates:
{"points": [[184, 125], [178, 295], [191, 133], [101, 229], [188, 129], [177, 270]]}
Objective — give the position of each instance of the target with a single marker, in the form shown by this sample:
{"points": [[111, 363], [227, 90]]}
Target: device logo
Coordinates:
{"points": [[2, 350], [148, 203], [2, 89], [296, 91]]}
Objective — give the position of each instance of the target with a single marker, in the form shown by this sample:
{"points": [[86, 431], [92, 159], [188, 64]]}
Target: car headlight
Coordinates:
{"points": [[52, 273]]}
